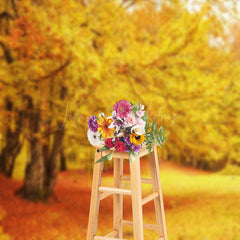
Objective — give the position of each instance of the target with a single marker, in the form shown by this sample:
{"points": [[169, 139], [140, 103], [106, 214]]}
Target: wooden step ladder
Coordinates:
{"points": [[100, 192]]}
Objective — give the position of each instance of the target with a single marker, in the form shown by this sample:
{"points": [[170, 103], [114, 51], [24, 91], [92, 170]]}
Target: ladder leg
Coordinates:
{"points": [[158, 202], [136, 199], [117, 198], [95, 198]]}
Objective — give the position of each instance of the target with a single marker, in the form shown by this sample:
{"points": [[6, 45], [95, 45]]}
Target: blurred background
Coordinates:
{"points": [[63, 60]]}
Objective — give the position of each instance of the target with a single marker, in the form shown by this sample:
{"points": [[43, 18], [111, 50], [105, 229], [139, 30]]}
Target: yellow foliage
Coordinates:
{"points": [[160, 57]]}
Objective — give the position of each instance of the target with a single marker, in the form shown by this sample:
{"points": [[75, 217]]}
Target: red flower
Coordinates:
{"points": [[109, 143], [120, 147]]}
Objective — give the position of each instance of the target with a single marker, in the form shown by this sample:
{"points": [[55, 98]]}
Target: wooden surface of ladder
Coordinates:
{"points": [[100, 192]]}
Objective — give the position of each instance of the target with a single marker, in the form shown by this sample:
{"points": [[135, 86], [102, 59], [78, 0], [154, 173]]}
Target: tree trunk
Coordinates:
{"points": [[63, 165], [41, 172], [13, 144], [33, 188], [52, 164]]}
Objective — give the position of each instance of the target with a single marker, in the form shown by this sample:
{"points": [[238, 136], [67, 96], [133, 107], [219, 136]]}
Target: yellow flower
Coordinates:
{"points": [[137, 139], [104, 129]]}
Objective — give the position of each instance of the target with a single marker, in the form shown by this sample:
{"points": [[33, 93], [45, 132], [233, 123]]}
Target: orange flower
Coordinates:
{"points": [[104, 129]]}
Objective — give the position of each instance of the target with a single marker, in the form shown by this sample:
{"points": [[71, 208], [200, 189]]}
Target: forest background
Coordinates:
{"points": [[62, 61]]}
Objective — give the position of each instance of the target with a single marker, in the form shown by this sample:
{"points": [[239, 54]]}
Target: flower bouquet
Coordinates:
{"points": [[127, 130]]}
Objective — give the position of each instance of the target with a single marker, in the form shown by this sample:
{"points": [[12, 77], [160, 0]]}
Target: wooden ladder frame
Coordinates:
{"points": [[100, 192]]}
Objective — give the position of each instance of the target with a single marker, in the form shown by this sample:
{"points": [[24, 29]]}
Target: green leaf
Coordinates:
{"points": [[158, 141], [151, 124], [106, 157], [154, 127], [104, 148], [145, 118]]}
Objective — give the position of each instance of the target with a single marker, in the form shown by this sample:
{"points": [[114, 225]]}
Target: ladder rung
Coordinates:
{"points": [[143, 180], [145, 225], [115, 190], [105, 195], [149, 198], [111, 234], [107, 238]]}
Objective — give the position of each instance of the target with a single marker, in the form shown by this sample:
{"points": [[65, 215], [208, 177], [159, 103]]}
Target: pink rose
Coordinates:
{"points": [[140, 113], [130, 120], [141, 122]]}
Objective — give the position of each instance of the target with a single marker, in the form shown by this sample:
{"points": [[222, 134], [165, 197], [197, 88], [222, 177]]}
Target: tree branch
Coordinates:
{"points": [[96, 32], [7, 53], [4, 83], [51, 74], [127, 3], [6, 14], [14, 8]]}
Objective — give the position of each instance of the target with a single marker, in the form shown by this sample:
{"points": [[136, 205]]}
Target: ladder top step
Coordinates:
{"points": [[125, 155], [115, 190]]}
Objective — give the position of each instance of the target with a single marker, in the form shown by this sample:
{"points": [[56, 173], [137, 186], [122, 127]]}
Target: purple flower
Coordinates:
{"points": [[127, 140], [92, 123], [122, 108], [136, 148], [126, 148]]}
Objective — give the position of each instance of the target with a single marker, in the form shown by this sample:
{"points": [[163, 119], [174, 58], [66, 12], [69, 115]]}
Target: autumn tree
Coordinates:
{"points": [[12, 117], [34, 88], [171, 60]]}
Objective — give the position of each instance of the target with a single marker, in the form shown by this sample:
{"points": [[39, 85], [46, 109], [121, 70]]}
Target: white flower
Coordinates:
{"points": [[141, 107], [114, 114], [111, 125], [117, 121], [120, 134], [101, 115], [138, 129], [94, 138]]}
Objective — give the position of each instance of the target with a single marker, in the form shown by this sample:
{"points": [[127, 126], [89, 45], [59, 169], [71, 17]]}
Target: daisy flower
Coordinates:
{"points": [[104, 128], [94, 138]]}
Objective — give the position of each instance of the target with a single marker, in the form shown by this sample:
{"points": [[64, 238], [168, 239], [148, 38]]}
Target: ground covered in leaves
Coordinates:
{"points": [[198, 206]]}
